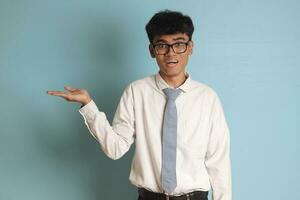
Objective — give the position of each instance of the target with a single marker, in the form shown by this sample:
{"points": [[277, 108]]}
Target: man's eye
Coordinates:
{"points": [[162, 46], [179, 44]]}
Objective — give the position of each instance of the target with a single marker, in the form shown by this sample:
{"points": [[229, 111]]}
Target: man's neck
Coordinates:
{"points": [[174, 81]]}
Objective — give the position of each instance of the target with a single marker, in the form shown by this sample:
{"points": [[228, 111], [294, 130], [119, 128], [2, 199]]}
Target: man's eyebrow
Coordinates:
{"points": [[174, 39], [160, 40], [179, 38]]}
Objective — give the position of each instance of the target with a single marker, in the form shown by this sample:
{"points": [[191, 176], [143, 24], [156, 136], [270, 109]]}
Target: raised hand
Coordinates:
{"points": [[73, 94]]}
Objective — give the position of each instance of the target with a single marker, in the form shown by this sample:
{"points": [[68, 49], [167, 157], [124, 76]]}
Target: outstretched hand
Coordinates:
{"points": [[73, 94]]}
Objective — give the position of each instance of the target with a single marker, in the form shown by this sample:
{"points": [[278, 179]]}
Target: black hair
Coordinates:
{"points": [[169, 22]]}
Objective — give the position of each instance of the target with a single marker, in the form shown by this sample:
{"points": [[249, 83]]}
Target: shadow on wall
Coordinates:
{"points": [[66, 147]]}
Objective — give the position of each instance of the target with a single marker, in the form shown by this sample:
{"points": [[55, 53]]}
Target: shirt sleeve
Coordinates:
{"points": [[115, 140], [217, 159]]}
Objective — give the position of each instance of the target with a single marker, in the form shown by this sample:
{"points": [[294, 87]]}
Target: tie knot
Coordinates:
{"points": [[171, 93]]}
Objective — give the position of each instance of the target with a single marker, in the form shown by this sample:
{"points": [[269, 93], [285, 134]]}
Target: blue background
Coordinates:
{"points": [[248, 51]]}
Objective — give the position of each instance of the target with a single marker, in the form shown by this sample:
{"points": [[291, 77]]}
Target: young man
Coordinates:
{"points": [[177, 124]]}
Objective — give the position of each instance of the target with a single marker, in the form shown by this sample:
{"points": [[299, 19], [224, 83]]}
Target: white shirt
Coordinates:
{"points": [[203, 146]]}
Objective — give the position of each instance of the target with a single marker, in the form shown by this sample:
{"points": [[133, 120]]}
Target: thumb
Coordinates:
{"points": [[69, 88]]}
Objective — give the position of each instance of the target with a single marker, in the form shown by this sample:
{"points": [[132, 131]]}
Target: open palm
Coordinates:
{"points": [[73, 94]]}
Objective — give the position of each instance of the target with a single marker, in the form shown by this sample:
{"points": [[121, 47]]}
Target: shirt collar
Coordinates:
{"points": [[161, 83]]}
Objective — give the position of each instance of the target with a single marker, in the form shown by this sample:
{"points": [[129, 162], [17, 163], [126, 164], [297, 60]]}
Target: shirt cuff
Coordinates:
{"points": [[89, 110]]}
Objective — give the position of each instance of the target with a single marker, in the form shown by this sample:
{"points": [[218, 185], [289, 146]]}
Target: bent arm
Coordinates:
{"points": [[115, 140]]}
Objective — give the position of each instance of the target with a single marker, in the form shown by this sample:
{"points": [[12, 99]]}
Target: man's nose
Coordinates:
{"points": [[170, 52]]}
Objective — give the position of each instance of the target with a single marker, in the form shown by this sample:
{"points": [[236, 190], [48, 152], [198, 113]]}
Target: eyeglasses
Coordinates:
{"points": [[163, 48]]}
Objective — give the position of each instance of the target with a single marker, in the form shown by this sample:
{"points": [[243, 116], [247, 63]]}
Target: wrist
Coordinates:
{"points": [[86, 102]]}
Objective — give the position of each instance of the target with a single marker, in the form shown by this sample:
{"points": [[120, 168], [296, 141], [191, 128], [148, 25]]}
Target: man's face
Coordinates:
{"points": [[171, 63]]}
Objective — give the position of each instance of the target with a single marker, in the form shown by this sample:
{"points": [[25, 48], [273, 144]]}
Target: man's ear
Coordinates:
{"points": [[190, 47], [151, 50]]}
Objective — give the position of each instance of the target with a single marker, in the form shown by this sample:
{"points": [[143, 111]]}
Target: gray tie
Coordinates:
{"points": [[169, 141]]}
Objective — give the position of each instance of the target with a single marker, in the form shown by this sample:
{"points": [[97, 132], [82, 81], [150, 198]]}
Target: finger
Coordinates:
{"points": [[57, 93], [69, 88]]}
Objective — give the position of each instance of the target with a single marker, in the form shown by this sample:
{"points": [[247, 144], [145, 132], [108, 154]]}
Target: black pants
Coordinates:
{"points": [[204, 198], [200, 195]]}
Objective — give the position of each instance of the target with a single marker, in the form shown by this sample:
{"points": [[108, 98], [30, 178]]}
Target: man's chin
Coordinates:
{"points": [[171, 73]]}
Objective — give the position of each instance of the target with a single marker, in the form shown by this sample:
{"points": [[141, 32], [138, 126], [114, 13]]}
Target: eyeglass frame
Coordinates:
{"points": [[171, 45]]}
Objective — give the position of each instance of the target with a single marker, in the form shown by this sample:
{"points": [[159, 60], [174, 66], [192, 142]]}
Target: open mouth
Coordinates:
{"points": [[172, 63]]}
